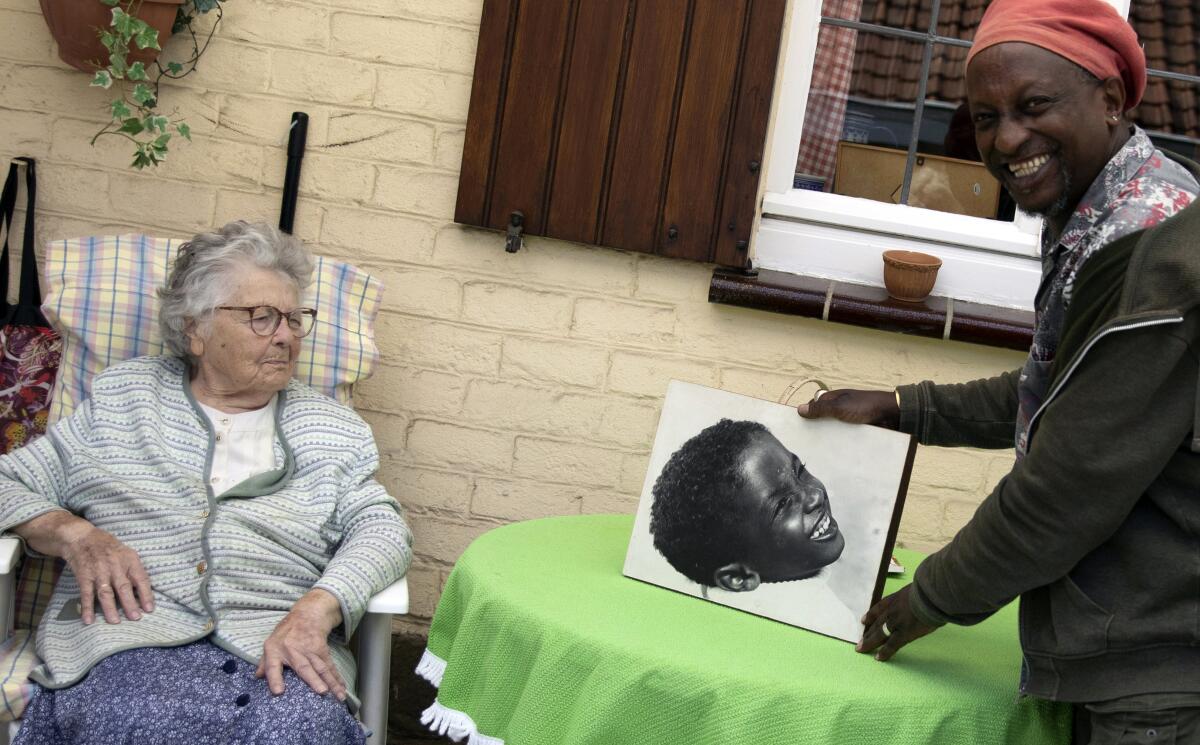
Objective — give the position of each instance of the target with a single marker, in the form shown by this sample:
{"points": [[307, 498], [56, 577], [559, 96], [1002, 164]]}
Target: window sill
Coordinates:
{"points": [[862, 305]]}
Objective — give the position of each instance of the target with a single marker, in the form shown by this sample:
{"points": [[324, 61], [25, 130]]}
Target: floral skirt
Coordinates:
{"points": [[197, 694]]}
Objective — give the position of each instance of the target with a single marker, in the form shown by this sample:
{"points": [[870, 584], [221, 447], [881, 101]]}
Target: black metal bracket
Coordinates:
{"points": [[749, 270], [516, 225]]}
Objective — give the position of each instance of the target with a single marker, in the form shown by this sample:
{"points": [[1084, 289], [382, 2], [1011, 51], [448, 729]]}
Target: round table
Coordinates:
{"points": [[540, 640]]}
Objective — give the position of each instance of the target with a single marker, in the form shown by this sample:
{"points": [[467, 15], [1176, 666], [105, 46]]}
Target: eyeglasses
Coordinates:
{"points": [[264, 319]]}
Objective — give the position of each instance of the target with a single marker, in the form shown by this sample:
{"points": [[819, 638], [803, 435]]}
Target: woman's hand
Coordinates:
{"points": [[110, 572], [107, 570], [301, 641], [890, 624], [880, 408]]}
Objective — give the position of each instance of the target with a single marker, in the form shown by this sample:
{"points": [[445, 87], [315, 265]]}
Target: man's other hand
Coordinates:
{"points": [[890, 624]]}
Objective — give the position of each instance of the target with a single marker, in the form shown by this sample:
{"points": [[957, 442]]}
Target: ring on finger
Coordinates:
{"points": [[886, 631], [105, 586]]}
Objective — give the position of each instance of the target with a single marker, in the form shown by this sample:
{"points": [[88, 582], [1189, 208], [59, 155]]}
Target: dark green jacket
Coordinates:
{"points": [[1097, 529]]}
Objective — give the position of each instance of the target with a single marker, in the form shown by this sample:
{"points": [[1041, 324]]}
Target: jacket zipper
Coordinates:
{"points": [[1087, 348], [1022, 686]]}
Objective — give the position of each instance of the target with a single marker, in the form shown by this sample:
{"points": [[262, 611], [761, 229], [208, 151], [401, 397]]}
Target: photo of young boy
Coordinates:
{"points": [[748, 505]]}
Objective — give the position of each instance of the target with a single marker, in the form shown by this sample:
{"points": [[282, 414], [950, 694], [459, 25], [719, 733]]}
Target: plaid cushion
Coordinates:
{"points": [[17, 654], [17, 659], [101, 297]]}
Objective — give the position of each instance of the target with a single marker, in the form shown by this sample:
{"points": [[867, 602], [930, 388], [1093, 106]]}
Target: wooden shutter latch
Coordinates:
{"points": [[516, 224]]}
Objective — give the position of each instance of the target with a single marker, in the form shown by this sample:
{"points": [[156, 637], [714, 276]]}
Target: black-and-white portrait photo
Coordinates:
{"points": [[749, 505]]}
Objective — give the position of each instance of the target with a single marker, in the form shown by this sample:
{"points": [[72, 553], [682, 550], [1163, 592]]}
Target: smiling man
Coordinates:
{"points": [[734, 508], [1097, 526]]}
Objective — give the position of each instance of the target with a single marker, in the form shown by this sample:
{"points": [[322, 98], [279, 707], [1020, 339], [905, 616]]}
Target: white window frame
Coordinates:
{"points": [[841, 238]]}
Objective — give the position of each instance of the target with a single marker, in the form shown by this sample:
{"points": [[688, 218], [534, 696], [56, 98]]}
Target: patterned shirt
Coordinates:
{"points": [[1139, 188]]}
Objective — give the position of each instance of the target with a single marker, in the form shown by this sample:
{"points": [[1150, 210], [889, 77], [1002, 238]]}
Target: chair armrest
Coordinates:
{"points": [[10, 553], [392, 599], [375, 658]]}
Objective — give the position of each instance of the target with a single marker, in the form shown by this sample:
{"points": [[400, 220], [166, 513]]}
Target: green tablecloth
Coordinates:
{"points": [[540, 640]]}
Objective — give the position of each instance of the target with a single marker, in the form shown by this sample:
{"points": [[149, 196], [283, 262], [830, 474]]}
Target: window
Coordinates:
{"points": [[886, 116], [868, 153], [873, 86], [1170, 109]]}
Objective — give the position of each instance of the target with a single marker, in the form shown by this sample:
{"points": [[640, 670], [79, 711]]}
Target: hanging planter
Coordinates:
{"points": [[75, 26], [119, 41]]}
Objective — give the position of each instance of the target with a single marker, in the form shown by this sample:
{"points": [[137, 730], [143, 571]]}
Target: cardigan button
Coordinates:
{"points": [[230, 666], [242, 700], [201, 567]]}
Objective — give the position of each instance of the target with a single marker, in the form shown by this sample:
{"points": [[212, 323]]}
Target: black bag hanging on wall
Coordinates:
{"points": [[29, 348]]}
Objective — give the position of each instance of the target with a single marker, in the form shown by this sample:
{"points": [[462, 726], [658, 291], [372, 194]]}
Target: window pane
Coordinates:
{"points": [[957, 19], [862, 111], [1170, 109], [907, 14], [863, 91]]}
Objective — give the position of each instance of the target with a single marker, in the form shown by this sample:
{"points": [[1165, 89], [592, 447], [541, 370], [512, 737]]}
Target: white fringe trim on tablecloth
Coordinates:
{"points": [[431, 668], [443, 720], [456, 725]]}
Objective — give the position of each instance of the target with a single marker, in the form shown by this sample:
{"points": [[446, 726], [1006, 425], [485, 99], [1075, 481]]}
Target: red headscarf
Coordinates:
{"points": [[1090, 33]]}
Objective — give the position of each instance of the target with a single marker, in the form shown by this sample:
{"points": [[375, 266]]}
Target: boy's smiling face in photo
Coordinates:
{"points": [[788, 530]]}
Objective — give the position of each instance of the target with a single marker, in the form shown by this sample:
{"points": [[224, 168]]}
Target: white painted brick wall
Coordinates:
{"points": [[512, 386]]}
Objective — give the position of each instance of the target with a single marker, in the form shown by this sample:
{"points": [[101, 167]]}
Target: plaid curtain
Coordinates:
{"points": [[826, 110]]}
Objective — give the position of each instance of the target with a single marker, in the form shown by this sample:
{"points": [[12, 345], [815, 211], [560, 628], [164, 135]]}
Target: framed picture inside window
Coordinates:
{"points": [[749, 505]]}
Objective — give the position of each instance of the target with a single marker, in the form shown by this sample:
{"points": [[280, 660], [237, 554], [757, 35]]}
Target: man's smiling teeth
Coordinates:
{"points": [[822, 528], [1028, 167]]}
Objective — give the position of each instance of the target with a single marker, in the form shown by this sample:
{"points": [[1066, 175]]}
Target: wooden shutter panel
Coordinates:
{"points": [[637, 124]]}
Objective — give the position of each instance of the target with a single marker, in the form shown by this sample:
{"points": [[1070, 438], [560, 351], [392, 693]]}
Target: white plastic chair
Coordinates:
{"points": [[374, 644]]}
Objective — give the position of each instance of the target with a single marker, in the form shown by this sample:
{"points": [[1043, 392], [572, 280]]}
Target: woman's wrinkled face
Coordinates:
{"points": [[788, 529], [232, 360]]}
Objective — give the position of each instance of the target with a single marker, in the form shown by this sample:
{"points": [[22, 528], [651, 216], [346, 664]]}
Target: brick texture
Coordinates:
{"points": [[554, 362], [274, 23], [518, 308], [321, 78], [438, 94], [444, 444], [646, 375], [511, 386], [377, 138]]}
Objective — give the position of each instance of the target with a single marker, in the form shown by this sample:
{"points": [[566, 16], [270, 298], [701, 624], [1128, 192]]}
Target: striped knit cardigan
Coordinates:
{"points": [[134, 460]]}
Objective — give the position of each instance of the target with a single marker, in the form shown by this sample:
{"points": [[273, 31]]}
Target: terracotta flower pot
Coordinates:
{"points": [[75, 25], [909, 275]]}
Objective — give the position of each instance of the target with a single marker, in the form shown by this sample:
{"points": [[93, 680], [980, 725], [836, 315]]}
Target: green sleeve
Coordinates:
{"points": [[1096, 448], [981, 413]]}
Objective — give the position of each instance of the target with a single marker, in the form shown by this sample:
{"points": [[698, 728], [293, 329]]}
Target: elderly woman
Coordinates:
{"points": [[220, 522]]}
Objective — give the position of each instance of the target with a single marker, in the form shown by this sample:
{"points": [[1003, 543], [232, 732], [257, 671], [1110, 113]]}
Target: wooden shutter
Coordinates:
{"points": [[637, 124]]}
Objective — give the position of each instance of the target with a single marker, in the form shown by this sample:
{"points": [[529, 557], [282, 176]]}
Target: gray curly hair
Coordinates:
{"points": [[205, 270]]}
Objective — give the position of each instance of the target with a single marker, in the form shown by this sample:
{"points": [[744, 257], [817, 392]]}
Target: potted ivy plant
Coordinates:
{"points": [[76, 26], [119, 41]]}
